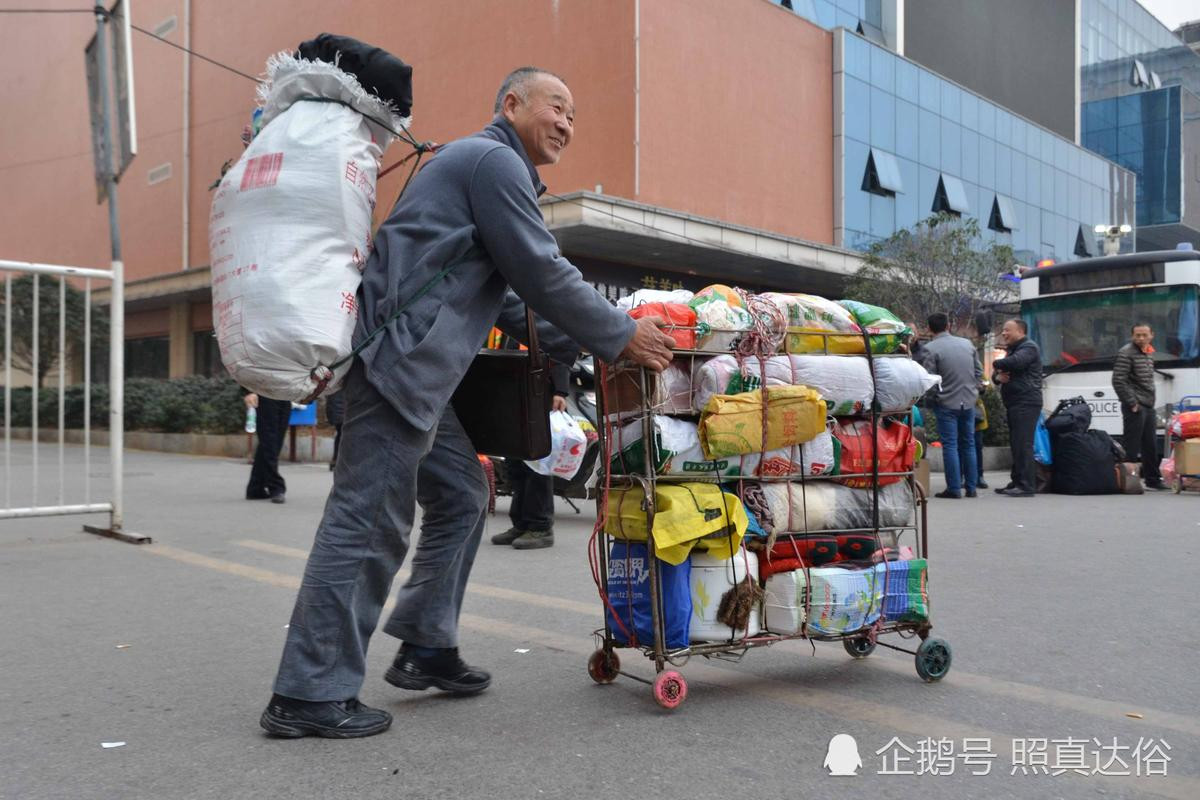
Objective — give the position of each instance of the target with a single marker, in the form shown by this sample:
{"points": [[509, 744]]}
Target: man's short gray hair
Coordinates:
{"points": [[518, 82]]}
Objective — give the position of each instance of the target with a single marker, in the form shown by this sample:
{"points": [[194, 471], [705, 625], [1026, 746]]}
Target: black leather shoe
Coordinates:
{"points": [[445, 670], [1004, 489], [1015, 492], [1157, 486], [337, 719], [972, 493], [946, 494], [981, 485]]}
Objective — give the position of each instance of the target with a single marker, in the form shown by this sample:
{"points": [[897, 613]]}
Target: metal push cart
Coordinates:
{"points": [[932, 656], [1189, 402]]}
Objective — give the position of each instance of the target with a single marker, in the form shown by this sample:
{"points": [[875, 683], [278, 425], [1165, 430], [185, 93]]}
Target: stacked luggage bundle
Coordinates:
{"points": [[771, 465]]}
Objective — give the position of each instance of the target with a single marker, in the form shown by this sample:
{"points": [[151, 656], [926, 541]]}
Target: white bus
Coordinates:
{"points": [[1080, 314]]}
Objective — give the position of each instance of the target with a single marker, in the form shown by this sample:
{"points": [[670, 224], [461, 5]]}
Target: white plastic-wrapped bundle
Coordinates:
{"points": [[900, 382], [813, 313], [725, 375], [678, 453], [290, 229], [843, 381], [821, 505], [721, 318], [643, 296]]}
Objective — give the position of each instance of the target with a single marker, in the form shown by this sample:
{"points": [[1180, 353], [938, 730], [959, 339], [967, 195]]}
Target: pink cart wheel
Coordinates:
{"points": [[670, 689]]}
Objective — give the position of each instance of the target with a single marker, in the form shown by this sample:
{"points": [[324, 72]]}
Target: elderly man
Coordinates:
{"points": [[472, 208], [1020, 377], [1133, 381]]}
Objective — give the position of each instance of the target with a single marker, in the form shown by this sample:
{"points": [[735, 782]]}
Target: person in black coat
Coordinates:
{"points": [[265, 481], [1019, 375]]}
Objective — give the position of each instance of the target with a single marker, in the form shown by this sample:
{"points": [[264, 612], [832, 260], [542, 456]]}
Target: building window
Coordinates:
{"points": [[206, 356], [1003, 218], [882, 176], [951, 197], [1085, 243], [149, 357], [871, 32], [1139, 75]]}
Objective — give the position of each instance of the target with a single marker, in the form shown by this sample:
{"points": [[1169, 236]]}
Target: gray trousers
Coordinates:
{"points": [[385, 466]]}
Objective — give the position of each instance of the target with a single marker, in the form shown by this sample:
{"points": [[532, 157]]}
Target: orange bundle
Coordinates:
{"points": [[680, 319]]}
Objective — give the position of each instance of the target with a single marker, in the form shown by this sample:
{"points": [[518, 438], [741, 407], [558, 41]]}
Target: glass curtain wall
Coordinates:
{"points": [[952, 149]]}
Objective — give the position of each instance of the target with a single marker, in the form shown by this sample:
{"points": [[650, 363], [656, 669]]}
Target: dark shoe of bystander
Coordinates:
{"points": [[946, 494], [1015, 492], [972, 493], [981, 485], [1004, 489], [534, 540], [1157, 486], [278, 497], [445, 670], [509, 536], [335, 719]]}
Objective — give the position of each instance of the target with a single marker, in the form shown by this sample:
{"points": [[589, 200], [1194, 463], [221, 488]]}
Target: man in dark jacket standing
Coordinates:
{"points": [[1020, 377], [1133, 380], [466, 230]]}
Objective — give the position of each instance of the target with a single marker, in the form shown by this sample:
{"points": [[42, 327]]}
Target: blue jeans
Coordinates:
{"points": [[956, 429]]}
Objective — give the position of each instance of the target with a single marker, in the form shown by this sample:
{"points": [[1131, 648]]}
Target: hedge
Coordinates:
{"points": [[194, 404]]}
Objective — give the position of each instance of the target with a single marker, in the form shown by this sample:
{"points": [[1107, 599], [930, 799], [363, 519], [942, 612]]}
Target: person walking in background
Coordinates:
{"points": [[1133, 381], [532, 507], [1020, 377], [981, 424], [265, 481], [954, 359]]}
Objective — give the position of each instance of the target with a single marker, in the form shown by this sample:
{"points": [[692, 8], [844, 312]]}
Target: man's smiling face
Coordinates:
{"points": [[544, 120]]}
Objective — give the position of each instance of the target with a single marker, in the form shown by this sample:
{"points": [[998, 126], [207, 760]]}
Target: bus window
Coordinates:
{"points": [[1091, 327]]}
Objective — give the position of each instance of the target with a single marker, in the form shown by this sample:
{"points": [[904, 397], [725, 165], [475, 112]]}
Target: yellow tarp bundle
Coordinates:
{"points": [[686, 515], [732, 423]]}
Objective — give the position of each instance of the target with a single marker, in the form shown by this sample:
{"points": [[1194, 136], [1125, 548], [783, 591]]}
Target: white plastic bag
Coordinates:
{"points": [[290, 229], [568, 443]]}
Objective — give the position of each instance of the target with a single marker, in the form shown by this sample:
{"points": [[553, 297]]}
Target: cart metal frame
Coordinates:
{"points": [[932, 656]]}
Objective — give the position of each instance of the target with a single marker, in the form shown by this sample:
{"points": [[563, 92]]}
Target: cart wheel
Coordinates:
{"points": [[603, 666], [858, 646], [933, 660], [670, 689]]}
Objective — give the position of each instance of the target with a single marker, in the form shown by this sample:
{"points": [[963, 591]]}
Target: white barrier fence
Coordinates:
{"points": [[36, 507]]}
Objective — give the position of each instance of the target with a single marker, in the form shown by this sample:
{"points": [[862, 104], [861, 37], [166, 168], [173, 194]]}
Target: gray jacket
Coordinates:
{"points": [[1133, 376], [955, 360], [474, 204]]}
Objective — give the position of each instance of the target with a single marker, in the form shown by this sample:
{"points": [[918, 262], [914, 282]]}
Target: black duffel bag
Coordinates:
{"points": [[1071, 415], [1084, 464]]}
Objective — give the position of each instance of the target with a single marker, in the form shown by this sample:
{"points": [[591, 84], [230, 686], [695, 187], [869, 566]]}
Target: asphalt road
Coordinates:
{"points": [[1072, 620]]}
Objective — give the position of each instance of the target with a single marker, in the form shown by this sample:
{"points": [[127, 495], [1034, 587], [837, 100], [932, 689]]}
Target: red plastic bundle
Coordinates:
{"points": [[1186, 425], [674, 314], [897, 450]]}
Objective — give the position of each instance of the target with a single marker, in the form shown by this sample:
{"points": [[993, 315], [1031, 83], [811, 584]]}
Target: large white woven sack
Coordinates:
{"points": [[290, 230]]}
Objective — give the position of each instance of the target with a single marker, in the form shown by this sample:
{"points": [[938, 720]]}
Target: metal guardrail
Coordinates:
{"points": [[116, 380]]}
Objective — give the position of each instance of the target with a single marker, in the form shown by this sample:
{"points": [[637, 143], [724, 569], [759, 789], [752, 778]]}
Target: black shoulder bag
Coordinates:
{"points": [[503, 402]]}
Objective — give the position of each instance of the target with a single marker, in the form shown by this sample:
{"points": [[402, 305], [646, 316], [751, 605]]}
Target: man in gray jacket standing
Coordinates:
{"points": [[954, 359], [1133, 380], [474, 206]]}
